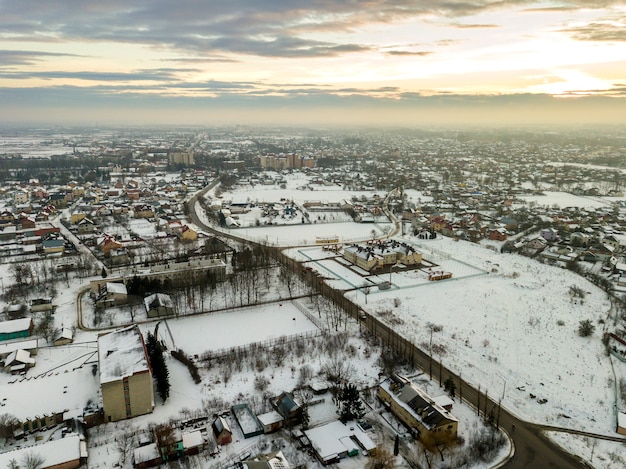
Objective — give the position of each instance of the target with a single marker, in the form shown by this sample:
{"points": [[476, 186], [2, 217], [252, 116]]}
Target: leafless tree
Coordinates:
{"points": [[126, 441], [32, 460]]}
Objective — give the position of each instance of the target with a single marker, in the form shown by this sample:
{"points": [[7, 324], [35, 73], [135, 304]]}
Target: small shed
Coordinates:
{"points": [[193, 442], [18, 361], [66, 336], [621, 423], [221, 430], [271, 421], [146, 456], [158, 305]]}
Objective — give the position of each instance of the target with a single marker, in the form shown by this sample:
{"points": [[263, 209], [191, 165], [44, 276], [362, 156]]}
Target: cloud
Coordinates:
{"points": [[473, 26], [408, 53], [201, 28], [146, 75], [25, 57], [610, 30]]}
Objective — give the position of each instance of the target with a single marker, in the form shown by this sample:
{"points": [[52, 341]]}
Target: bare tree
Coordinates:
{"points": [[32, 460], [126, 441]]}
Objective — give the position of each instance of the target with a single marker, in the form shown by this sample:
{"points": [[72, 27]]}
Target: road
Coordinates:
{"points": [[532, 448]]}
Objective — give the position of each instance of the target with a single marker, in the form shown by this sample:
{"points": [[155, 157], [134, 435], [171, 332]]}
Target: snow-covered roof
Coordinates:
{"points": [[192, 439], [13, 345], [15, 325], [269, 418], [329, 439], [158, 299], [146, 453], [121, 354], [19, 356], [54, 453], [117, 288]]}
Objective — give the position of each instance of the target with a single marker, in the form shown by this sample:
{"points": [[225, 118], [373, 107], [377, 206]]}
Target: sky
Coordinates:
{"points": [[384, 62]]}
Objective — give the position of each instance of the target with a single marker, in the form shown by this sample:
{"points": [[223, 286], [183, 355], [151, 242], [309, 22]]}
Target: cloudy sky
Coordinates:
{"points": [[393, 62]]}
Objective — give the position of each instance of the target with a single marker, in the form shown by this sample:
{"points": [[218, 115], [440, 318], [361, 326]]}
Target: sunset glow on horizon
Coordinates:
{"points": [[204, 61]]}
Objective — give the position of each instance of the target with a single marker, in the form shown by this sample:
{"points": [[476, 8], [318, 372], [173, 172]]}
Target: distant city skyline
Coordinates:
{"points": [[385, 62]]}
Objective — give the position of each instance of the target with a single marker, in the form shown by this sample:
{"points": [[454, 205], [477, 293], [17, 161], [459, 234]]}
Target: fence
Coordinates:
{"points": [[269, 343], [304, 310]]}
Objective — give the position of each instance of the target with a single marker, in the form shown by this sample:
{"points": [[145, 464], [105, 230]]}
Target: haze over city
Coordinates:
{"points": [[401, 62]]}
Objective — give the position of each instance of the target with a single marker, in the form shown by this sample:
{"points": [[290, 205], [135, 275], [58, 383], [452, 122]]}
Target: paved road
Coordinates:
{"points": [[532, 449]]}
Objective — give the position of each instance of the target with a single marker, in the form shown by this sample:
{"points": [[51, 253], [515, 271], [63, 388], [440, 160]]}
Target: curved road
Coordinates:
{"points": [[532, 448]]}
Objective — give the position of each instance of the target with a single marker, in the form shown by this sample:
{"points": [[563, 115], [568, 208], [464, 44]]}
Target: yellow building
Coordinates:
{"points": [[76, 217], [430, 422], [382, 254], [125, 375]]}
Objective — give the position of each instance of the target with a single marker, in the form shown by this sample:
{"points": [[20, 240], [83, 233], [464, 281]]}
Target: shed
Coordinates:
{"points": [[16, 328], [66, 336], [146, 456], [193, 442], [271, 421], [158, 305], [621, 423]]}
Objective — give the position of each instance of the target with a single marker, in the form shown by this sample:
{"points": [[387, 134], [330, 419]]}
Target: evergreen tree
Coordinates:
{"points": [[396, 446], [351, 405], [159, 367]]}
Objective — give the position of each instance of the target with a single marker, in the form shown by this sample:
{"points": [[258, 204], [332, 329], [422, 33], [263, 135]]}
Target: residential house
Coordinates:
{"points": [[77, 216], [107, 243], [143, 211], [336, 440], [113, 294], [382, 254], [187, 233], [86, 226], [125, 374], [53, 246], [275, 460], [158, 305], [222, 432], [498, 234], [430, 422], [7, 218], [286, 405], [550, 234]]}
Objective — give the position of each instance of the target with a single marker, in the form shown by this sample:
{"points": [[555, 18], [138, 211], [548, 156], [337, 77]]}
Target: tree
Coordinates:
{"points": [[7, 423], [103, 272], [450, 387], [165, 439], [350, 402], [126, 441], [586, 328], [396, 445], [382, 459], [159, 367], [32, 460]]}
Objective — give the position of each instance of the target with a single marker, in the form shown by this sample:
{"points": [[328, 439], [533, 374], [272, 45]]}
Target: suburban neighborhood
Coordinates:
{"points": [[239, 298]]}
